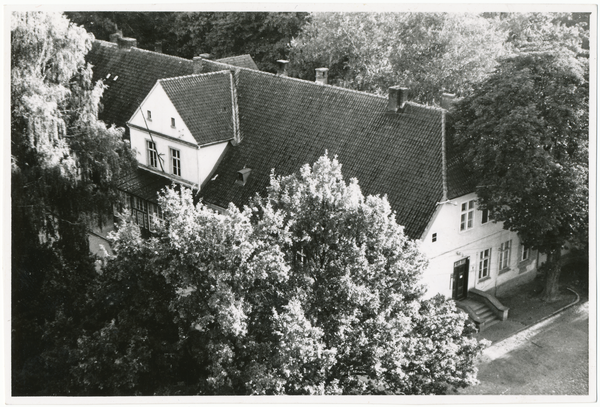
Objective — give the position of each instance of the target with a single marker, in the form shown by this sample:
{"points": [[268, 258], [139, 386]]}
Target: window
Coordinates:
{"points": [[172, 122], [152, 154], [139, 211], [175, 162], [484, 216], [466, 215], [504, 261], [149, 115], [484, 263], [524, 253], [434, 237], [156, 215]]}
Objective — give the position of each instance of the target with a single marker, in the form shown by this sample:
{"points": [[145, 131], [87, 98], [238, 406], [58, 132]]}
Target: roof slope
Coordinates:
{"points": [[143, 184], [205, 104], [286, 123], [242, 61], [133, 73]]}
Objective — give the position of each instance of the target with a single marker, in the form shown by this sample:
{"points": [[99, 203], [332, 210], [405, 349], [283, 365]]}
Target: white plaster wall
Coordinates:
{"points": [[207, 159], [453, 245], [188, 154], [162, 110]]}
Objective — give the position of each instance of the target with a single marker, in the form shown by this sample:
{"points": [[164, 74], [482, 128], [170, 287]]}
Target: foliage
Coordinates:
{"points": [[431, 53], [63, 166], [525, 134], [312, 289], [265, 36]]}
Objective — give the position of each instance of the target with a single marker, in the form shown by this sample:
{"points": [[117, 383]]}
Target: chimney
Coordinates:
{"points": [[126, 43], [115, 36], [198, 64], [205, 56], [448, 100], [321, 75], [397, 99], [158, 47], [282, 67]]}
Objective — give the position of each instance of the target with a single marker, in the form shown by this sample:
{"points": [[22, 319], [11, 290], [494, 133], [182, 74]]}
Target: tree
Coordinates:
{"points": [[63, 166], [431, 53], [312, 289], [524, 132]]}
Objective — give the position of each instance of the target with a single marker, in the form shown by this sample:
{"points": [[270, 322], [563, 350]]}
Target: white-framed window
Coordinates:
{"points": [[156, 215], [485, 216], [524, 253], [467, 209], [483, 259], [172, 122], [504, 255], [175, 161], [152, 153], [149, 115], [139, 212]]}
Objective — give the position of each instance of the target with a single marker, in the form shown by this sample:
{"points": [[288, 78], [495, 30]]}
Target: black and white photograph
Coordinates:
{"points": [[241, 203]]}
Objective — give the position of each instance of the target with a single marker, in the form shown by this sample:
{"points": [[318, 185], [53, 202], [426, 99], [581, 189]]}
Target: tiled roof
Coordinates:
{"points": [[287, 122], [133, 73], [242, 61], [204, 103], [143, 184]]}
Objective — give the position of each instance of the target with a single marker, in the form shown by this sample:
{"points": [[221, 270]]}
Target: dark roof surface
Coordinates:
{"points": [[133, 73], [242, 61], [143, 184], [204, 103], [286, 123]]}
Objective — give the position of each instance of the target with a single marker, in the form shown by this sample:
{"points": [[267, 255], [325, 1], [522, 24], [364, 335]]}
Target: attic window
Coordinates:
{"points": [[434, 237], [149, 115], [242, 176], [172, 122]]}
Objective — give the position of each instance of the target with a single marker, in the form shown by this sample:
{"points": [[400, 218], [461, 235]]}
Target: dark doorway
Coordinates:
{"points": [[460, 279]]}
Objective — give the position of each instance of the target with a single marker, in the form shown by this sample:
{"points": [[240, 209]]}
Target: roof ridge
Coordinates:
{"points": [[193, 74], [146, 50], [334, 87]]}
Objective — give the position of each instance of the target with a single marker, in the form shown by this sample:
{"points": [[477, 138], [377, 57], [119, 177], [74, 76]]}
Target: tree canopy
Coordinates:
{"points": [[525, 133], [63, 166], [312, 289]]}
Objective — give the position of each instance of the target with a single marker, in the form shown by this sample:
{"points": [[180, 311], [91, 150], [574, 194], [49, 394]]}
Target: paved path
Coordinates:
{"points": [[550, 358]]}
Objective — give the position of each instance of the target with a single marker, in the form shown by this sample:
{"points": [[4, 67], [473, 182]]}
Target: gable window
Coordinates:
{"points": [[149, 115], [175, 162], [152, 154], [172, 122], [485, 216], [504, 261], [467, 209], [484, 263], [434, 237], [524, 253]]}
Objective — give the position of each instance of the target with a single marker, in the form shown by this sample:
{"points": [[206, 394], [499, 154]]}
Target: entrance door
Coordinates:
{"points": [[460, 279]]}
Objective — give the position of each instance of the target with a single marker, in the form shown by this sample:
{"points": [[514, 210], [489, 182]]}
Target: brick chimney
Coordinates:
{"points": [[397, 97], [158, 47], [321, 75], [282, 67], [115, 36], [198, 64], [448, 100], [126, 43]]}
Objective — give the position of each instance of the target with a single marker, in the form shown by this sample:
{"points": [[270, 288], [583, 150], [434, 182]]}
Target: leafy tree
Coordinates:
{"points": [[265, 36], [63, 164], [431, 53], [312, 289], [525, 134]]}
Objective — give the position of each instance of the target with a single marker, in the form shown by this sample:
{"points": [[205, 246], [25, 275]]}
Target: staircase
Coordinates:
{"points": [[484, 316], [483, 308]]}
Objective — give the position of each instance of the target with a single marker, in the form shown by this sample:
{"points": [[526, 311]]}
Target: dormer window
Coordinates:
{"points": [[242, 176], [172, 122], [149, 115]]}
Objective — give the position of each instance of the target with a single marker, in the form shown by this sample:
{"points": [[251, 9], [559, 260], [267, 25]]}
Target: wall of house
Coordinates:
{"points": [[453, 244], [207, 159], [162, 110]]}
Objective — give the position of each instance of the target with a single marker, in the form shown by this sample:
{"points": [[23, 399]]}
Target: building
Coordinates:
{"points": [[221, 129]]}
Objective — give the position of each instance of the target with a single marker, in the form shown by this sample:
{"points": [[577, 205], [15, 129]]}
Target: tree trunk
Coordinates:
{"points": [[550, 292]]}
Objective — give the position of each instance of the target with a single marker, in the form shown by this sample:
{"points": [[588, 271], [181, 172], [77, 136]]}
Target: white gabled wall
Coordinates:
{"points": [[159, 104], [207, 159], [452, 245]]}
